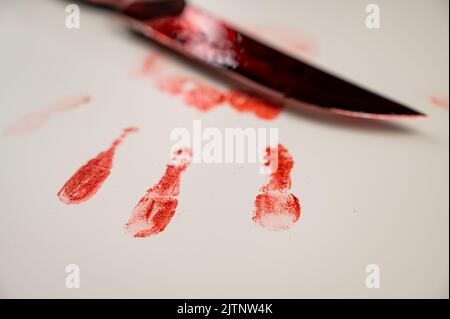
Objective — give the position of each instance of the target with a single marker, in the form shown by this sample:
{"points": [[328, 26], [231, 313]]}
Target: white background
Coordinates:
{"points": [[371, 192]]}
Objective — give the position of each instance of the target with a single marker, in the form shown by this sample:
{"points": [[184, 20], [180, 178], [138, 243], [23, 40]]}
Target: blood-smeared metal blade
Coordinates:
{"points": [[201, 36]]}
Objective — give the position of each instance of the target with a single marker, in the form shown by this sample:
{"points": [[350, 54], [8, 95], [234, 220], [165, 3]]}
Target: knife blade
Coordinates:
{"points": [[254, 65]]}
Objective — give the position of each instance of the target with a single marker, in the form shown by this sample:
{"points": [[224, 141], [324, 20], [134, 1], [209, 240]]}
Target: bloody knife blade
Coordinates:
{"points": [[205, 38]]}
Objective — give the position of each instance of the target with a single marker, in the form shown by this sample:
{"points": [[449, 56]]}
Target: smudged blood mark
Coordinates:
{"points": [[441, 101], [173, 85], [275, 208], [150, 64], [33, 121], [88, 179], [204, 97], [243, 102], [155, 210]]}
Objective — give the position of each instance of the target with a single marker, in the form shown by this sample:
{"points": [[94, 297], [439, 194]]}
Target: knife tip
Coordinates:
{"points": [[372, 116]]}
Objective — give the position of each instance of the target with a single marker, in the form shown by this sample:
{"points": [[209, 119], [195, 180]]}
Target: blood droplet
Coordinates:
{"points": [[155, 210], [88, 179], [275, 207]]}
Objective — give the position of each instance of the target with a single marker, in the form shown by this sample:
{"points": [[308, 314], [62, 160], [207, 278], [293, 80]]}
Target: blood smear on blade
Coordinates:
{"points": [[275, 207], [88, 179], [154, 211], [35, 120], [288, 39]]}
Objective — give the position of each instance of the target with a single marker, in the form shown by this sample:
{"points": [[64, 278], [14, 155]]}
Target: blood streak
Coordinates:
{"points": [[174, 85], [88, 179], [275, 208], [33, 121], [243, 102], [154, 211], [440, 100], [204, 97], [150, 64]]}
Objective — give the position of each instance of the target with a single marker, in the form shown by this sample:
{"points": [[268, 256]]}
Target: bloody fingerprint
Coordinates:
{"points": [[88, 179], [155, 210], [275, 207]]}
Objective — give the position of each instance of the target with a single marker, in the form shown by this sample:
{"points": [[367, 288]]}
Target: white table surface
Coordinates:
{"points": [[371, 192]]}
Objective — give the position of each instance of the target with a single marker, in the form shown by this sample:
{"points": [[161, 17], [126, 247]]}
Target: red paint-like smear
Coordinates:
{"points": [[89, 178], [204, 97], [441, 101], [150, 64], [174, 85], [155, 210], [275, 208], [243, 102], [33, 121]]}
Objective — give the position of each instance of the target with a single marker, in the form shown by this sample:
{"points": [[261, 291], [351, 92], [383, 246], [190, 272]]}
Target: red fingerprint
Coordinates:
{"points": [[275, 208], [88, 179], [155, 210]]}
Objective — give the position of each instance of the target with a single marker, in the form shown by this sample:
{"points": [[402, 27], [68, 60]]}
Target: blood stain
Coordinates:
{"points": [[275, 207], [246, 103], [150, 64], [33, 121], [154, 211], [88, 179], [204, 97], [440, 100], [174, 85]]}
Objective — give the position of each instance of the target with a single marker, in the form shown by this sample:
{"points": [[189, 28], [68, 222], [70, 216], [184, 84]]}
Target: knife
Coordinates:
{"points": [[254, 65]]}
